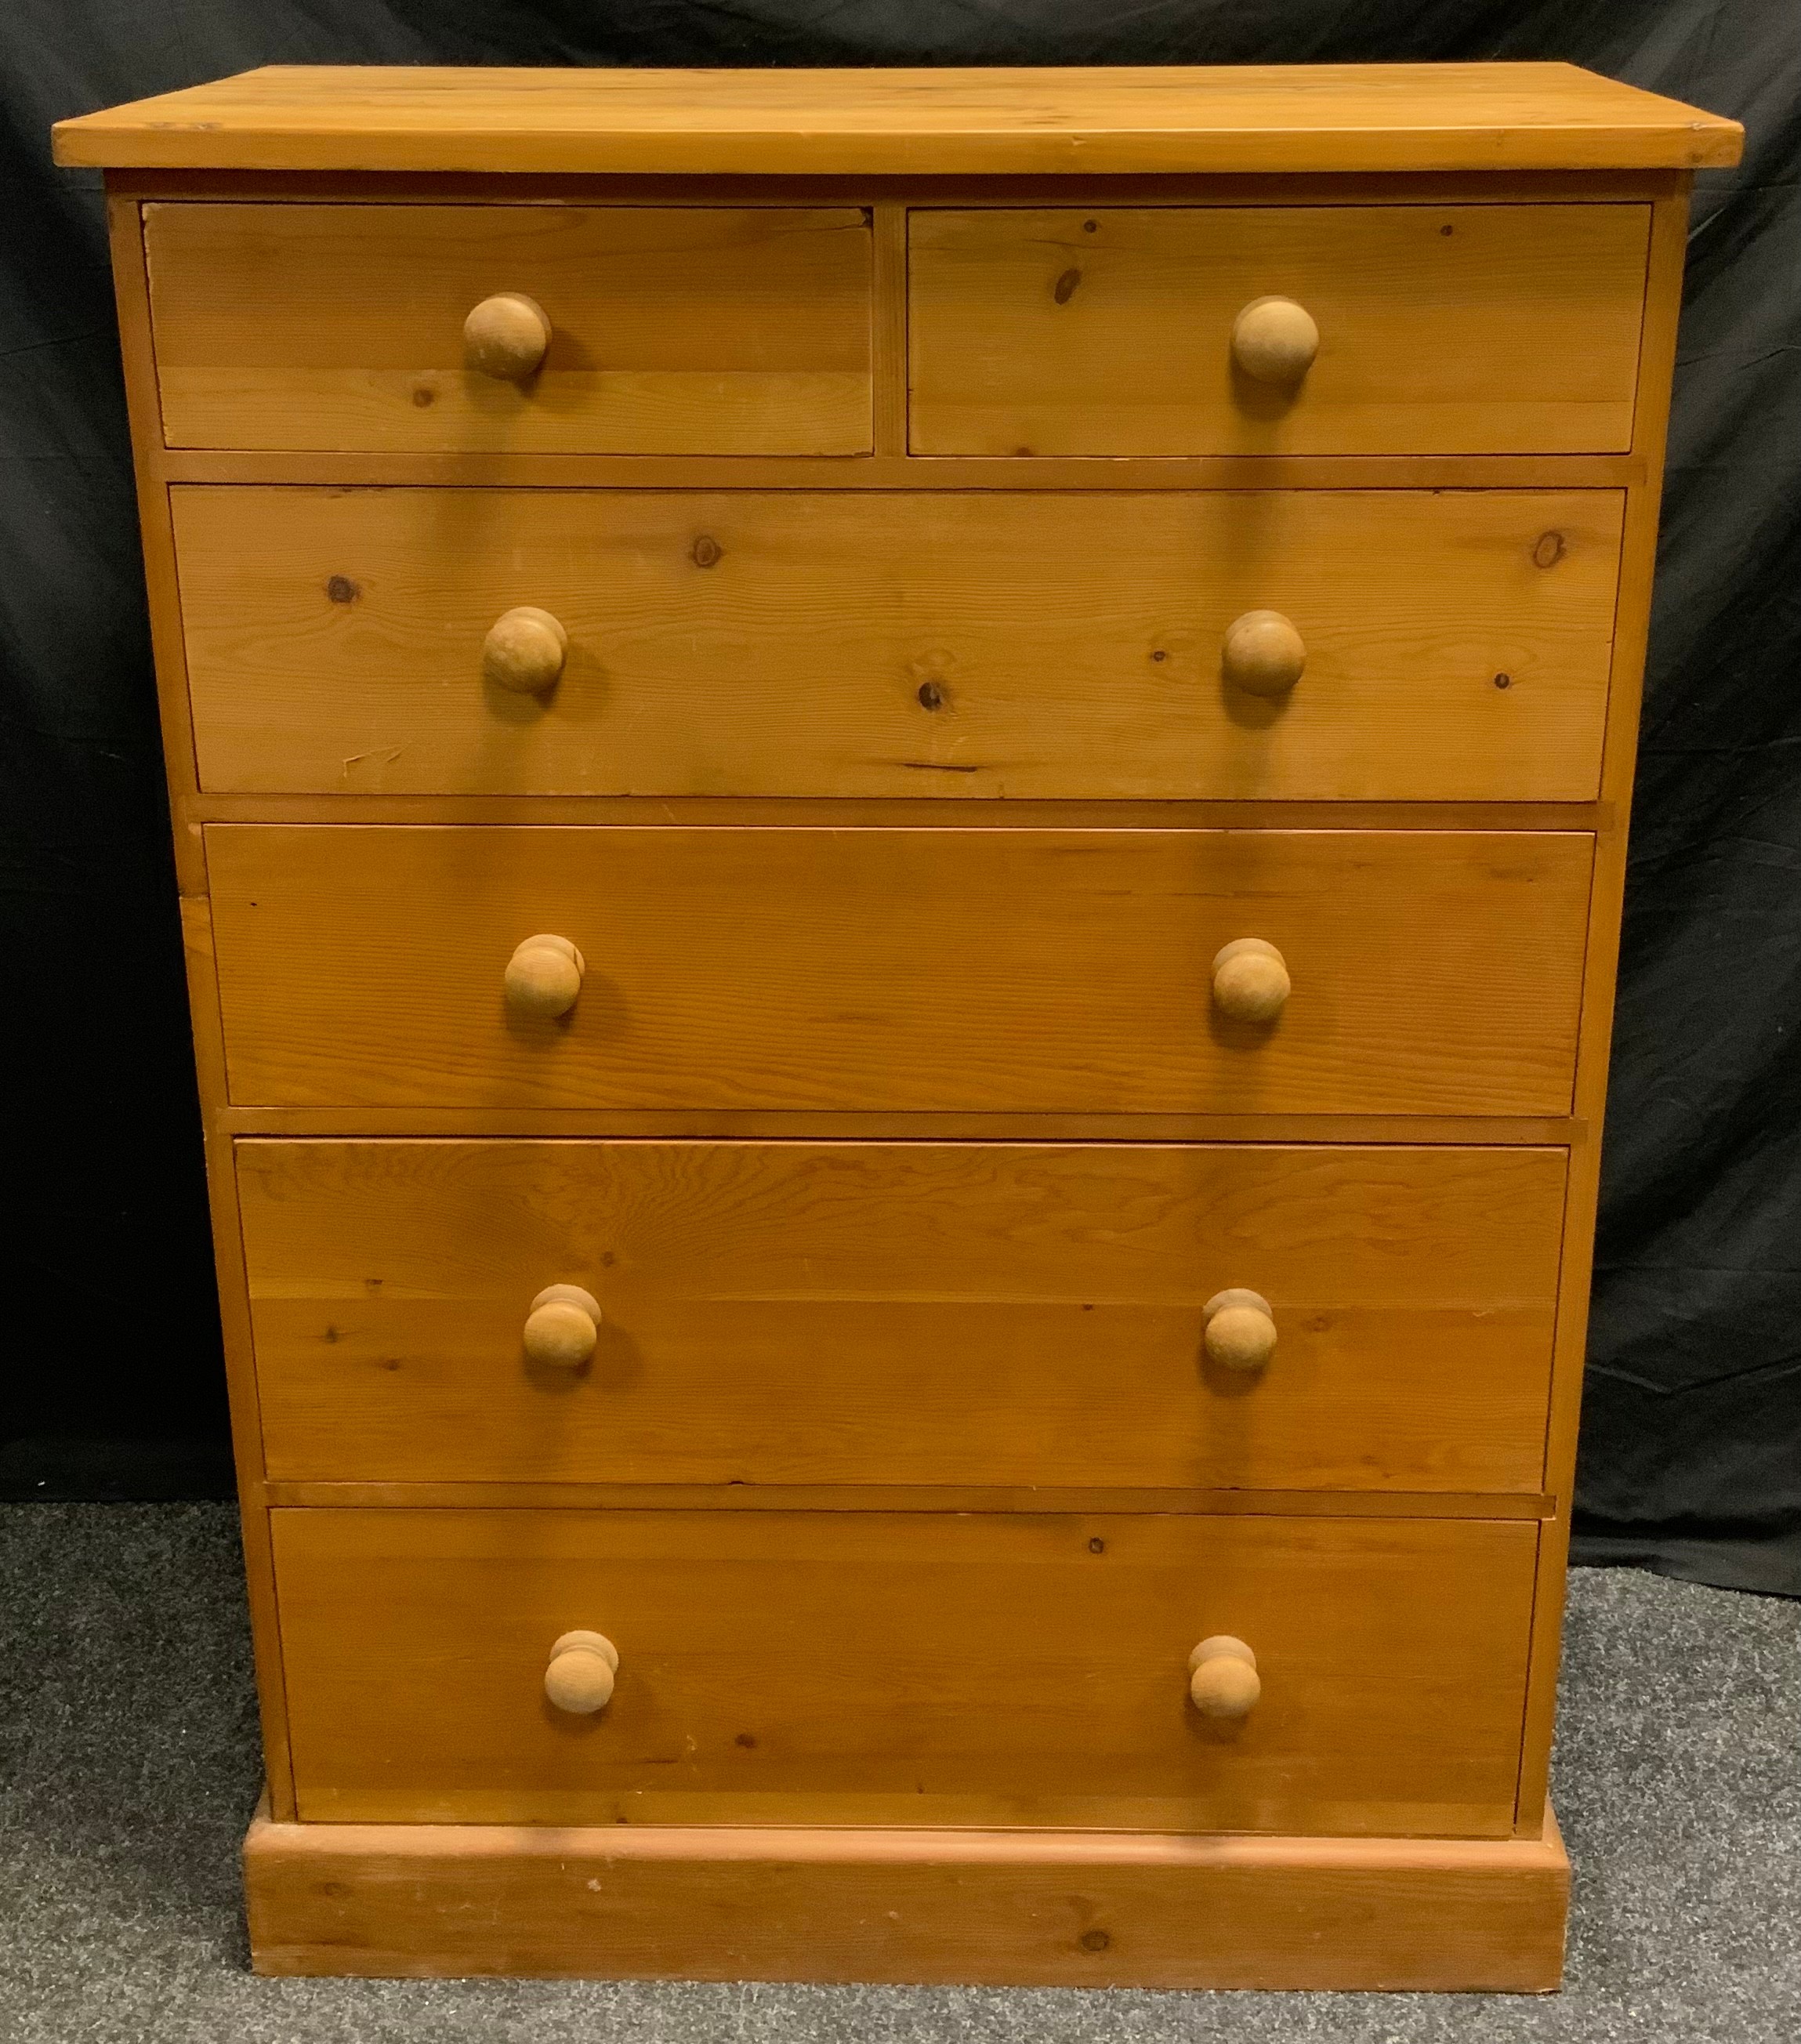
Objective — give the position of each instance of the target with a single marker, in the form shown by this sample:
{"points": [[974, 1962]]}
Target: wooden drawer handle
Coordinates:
{"points": [[562, 1327], [1250, 980], [1239, 1329], [580, 1677], [544, 976], [506, 336], [524, 650], [1274, 341], [1263, 653], [1223, 1678]]}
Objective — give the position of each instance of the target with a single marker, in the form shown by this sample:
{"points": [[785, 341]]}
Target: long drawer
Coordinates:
{"points": [[871, 1667], [664, 329], [1454, 645], [965, 1314], [1007, 970], [1440, 329]]}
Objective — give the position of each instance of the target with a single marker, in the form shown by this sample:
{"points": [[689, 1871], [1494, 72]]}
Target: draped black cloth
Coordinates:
{"points": [[110, 1380]]}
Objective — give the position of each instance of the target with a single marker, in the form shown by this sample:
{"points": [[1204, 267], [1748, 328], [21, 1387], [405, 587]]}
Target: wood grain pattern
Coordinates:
{"points": [[160, 578], [1166, 188], [156, 535], [1668, 247], [888, 338], [980, 645], [1022, 970], [903, 1313], [1008, 1907], [836, 1125], [674, 329], [240, 1369], [896, 812], [1098, 120], [1106, 330], [860, 1668], [488, 469], [916, 1497]]}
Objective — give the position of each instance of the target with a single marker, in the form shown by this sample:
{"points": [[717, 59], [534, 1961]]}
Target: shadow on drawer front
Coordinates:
{"points": [[921, 1668], [1420, 329], [1442, 645], [547, 329], [1100, 971], [902, 1313]]}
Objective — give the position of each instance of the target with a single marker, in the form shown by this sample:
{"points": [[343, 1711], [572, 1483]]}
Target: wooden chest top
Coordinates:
{"points": [[1099, 121]]}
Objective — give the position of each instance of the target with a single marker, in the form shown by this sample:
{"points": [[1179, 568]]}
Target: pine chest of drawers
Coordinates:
{"points": [[901, 800]]}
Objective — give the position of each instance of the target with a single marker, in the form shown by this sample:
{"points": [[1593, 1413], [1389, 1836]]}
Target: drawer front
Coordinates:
{"points": [[1432, 973], [902, 1313], [677, 329], [1456, 644], [985, 1668], [1460, 329]]}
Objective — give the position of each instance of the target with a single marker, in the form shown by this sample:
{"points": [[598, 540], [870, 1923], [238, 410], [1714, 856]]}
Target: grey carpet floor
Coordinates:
{"points": [[128, 1766]]}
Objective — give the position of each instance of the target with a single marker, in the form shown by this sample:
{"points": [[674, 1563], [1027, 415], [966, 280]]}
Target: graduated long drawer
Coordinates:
{"points": [[1433, 972], [914, 1668], [1456, 644], [967, 1314]]}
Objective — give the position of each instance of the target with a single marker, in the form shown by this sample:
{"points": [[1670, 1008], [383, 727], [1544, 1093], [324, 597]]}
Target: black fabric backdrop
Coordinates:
{"points": [[110, 1380]]}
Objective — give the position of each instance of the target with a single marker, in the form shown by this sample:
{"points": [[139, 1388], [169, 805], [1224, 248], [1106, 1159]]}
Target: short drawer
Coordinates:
{"points": [[915, 1668], [645, 329], [1100, 330], [1452, 646], [905, 970], [968, 1314]]}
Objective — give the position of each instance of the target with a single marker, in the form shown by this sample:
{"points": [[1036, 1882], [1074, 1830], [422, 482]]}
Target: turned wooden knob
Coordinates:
{"points": [[505, 336], [1238, 1330], [524, 650], [1250, 980], [580, 1677], [1263, 654], [1274, 341], [1222, 1677], [544, 976], [562, 1327]]}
